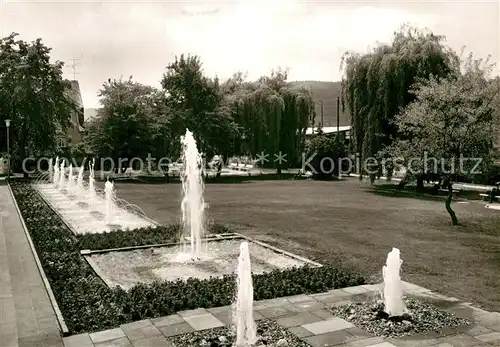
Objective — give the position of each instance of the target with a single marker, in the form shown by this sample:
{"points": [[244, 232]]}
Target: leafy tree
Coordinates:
{"points": [[451, 118], [326, 153], [130, 123], [271, 117], [196, 103], [33, 94], [376, 84]]}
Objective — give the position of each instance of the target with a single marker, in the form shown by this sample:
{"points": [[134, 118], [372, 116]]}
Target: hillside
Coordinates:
{"points": [[328, 93]]}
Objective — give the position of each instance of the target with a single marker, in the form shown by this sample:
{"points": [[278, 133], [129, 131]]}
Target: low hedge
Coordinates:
{"points": [[87, 304], [140, 236]]}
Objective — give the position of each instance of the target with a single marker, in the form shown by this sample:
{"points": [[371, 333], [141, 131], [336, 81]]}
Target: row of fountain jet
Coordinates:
{"points": [[63, 178]]}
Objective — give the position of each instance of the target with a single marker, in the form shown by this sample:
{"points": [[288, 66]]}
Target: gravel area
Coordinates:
{"points": [[146, 265], [87, 216], [269, 334], [422, 317]]}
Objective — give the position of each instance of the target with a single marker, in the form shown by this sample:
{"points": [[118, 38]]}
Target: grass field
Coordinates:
{"points": [[350, 224]]}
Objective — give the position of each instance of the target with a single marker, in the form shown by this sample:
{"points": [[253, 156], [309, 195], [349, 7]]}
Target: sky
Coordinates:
{"points": [[113, 39]]}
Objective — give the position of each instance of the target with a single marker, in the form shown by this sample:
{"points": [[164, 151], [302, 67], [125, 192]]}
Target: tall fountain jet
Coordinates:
{"points": [[51, 171], [246, 332], [55, 179], [61, 175], [393, 286], [80, 190], [91, 180], [193, 204], [70, 184], [109, 197]]}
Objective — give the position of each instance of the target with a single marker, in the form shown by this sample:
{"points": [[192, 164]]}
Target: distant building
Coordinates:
{"points": [[90, 113], [73, 134], [344, 131]]}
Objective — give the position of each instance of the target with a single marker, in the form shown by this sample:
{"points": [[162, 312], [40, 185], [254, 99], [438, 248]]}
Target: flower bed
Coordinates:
{"points": [[87, 304], [422, 318], [269, 334]]}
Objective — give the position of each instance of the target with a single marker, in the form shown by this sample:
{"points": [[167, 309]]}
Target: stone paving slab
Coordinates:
{"points": [[304, 316]]}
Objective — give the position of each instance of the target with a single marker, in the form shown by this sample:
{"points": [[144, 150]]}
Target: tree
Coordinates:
{"points": [[130, 123], [33, 95], [376, 85], [326, 153], [196, 103], [271, 117], [450, 125]]}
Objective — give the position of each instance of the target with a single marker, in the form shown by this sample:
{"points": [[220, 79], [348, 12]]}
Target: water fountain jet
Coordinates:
{"points": [[109, 196], [246, 331], [51, 171], [91, 180], [69, 185], [80, 190], [393, 286], [193, 204], [55, 179], [61, 175]]}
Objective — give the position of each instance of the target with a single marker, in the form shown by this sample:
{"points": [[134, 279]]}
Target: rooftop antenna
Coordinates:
{"points": [[75, 63]]}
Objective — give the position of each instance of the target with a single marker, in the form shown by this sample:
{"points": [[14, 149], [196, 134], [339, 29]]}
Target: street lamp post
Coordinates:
{"points": [[7, 124]]}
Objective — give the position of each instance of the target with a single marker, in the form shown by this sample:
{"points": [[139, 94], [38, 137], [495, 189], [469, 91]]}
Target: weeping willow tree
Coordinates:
{"points": [[375, 85], [272, 118]]}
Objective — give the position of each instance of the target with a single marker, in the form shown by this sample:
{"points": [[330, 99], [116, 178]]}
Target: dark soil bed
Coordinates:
{"points": [[422, 317], [269, 334]]}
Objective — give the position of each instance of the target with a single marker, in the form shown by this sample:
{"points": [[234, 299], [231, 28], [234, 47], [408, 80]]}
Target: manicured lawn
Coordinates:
{"points": [[347, 223]]}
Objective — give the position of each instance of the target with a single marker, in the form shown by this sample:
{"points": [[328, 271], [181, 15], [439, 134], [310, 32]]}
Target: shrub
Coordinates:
{"points": [[327, 151]]}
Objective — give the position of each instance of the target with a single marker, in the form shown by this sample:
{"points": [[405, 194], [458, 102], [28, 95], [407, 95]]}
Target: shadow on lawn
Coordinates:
{"points": [[428, 193], [210, 180], [391, 190]]}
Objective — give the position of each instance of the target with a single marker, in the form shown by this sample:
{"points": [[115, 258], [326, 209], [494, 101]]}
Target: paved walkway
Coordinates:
{"points": [[27, 318], [306, 317]]}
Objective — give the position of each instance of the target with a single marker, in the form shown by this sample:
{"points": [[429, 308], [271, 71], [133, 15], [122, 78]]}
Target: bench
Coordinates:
{"points": [[454, 190], [488, 196], [240, 167]]}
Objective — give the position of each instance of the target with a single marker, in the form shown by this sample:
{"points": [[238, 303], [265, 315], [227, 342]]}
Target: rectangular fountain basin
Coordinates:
{"points": [[83, 216], [128, 267]]}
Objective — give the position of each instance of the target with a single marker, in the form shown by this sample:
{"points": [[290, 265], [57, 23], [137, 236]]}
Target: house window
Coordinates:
{"points": [[61, 142]]}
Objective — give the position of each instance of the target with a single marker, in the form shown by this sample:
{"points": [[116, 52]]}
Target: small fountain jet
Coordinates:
{"points": [[108, 191], [393, 286], [61, 176], [51, 171], [55, 178], [246, 332]]}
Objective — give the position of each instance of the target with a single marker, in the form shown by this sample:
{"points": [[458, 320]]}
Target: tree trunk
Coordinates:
{"points": [[420, 184], [372, 178], [402, 184], [25, 174], [390, 172], [453, 216]]}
